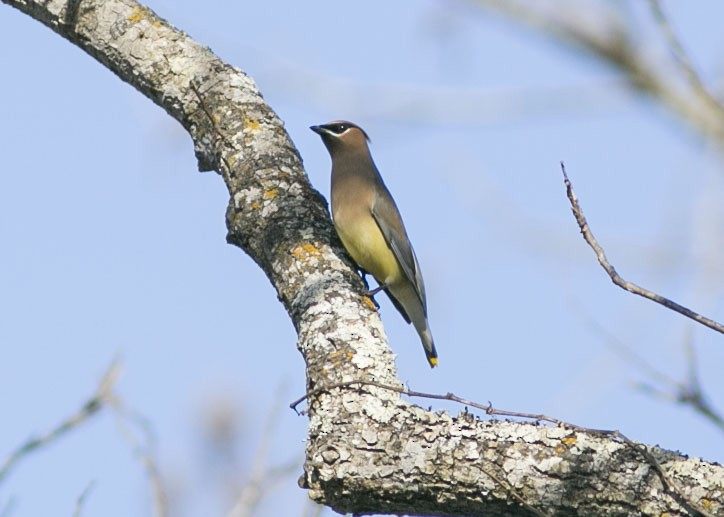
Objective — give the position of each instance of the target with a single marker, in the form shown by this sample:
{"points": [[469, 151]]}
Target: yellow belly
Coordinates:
{"points": [[364, 241]]}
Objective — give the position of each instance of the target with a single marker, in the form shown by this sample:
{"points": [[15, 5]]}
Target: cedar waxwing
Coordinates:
{"points": [[370, 226]]}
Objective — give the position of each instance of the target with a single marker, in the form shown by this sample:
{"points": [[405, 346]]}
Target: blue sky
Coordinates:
{"points": [[114, 245]]}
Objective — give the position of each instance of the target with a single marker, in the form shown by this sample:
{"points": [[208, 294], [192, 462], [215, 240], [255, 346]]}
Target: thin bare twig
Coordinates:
{"points": [[80, 502], [262, 477], [143, 449], [689, 392], [487, 408], [103, 397], [613, 274], [668, 483], [92, 406]]}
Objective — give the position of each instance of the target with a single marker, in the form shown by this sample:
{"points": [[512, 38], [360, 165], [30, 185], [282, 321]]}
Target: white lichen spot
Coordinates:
{"points": [[363, 361], [553, 464], [558, 432], [351, 403], [415, 457], [386, 470], [430, 435], [471, 451], [269, 209], [245, 198], [295, 189], [369, 436], [529, 434], [517, 470]]}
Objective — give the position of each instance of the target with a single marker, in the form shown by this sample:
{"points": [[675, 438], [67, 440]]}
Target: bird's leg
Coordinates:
{"points": [[376, 290], [370, 292], [364, 274]]}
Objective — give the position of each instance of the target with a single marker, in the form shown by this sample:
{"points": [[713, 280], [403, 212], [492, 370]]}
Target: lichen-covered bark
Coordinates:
{"points": [[368, 455], [368, 451]]}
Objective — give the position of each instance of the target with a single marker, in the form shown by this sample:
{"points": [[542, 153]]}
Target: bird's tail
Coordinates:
{"points": [[408, 302], [429, 345]]}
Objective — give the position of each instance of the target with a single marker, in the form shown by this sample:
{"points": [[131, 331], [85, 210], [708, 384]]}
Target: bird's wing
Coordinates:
{"points": [[388, 219]]}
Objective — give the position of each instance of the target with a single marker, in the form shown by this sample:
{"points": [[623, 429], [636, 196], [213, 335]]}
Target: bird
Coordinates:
{"points": [[370, 226]]}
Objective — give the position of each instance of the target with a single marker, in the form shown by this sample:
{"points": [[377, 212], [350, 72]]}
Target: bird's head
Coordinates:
{"points": [[341, 134]]}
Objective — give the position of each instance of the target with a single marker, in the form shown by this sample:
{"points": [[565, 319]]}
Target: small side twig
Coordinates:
{"points": [[688, 392], [613, 274], [488, 408], [80, 502], [263, 477], [143, 449], [92, 406]]}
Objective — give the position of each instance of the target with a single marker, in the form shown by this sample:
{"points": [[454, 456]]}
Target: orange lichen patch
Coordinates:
{"points": [[569, 440], [256, 205], [341, 355], [157, 25], [251, 124], [271, 194], [305, 251], [312, 250], [138, 14], [337, 359], [370, 303], [335, 355]]}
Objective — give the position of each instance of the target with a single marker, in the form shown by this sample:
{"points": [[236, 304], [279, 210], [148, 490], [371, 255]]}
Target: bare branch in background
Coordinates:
{"points": [[143, 449], [682, 59], [262, 477], [606, 35], [688, 392], [659, 384], [103, 397], [92, 406], [613, 274], [80, 502]]}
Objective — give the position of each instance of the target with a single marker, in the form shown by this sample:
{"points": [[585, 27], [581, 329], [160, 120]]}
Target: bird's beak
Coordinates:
{"points": [[318, 129]]}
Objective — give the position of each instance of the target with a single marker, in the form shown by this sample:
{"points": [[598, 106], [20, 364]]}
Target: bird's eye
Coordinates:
{"points": [[340, 128]]}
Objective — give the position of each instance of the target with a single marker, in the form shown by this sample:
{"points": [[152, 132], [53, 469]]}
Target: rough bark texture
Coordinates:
{"points": [[368, 451]]}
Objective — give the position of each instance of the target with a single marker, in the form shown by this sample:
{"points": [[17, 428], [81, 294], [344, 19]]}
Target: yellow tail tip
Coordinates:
{"points": [[432, 361]]}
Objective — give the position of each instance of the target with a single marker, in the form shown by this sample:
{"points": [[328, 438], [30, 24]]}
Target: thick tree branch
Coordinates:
{"points": [[368, 451]]}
